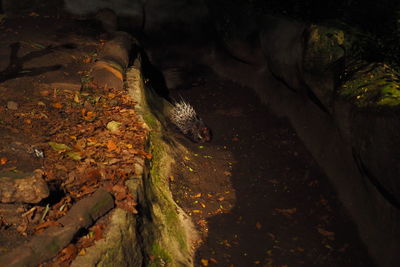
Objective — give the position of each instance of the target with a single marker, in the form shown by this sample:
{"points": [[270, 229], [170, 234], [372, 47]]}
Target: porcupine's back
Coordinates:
{"points": [[185, 118]]}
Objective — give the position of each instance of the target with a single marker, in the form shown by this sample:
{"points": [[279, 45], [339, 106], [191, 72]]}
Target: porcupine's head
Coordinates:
{"points": [[184, 117]]}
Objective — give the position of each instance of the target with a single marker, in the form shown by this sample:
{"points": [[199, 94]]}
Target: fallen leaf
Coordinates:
{"points": [[113, 126], [34, 14], [3, 160], [82, 252], [328, 234], [44, 93], [46, 225], [287, 211], [74, 155], [213, 260], [57, 105], [68, 253], [87, 60], [98, 230], [258, 225], [204, 262], [77, 98], [89, 116], [111, 146], [59, 147]]}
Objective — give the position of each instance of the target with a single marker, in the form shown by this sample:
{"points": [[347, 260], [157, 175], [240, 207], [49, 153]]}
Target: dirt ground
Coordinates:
{"points": [[255, 192], [53, 118]]}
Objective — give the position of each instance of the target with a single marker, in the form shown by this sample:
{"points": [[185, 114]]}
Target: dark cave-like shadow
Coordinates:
{"points": [[15, 68]]}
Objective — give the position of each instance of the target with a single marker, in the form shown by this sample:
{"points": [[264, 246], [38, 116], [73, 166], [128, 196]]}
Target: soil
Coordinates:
{"points": [[254, 192], [53, 118]]}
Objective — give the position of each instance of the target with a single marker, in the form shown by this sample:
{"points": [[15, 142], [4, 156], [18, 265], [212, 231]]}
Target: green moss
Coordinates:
{"points": [[371, 85], [165, 234], [159, 256]]}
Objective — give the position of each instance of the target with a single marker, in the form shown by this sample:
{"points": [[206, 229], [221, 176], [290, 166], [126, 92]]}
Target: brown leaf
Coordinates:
{"points": [[46, 225], [328, 234], [111, 146], [287, 211], [57, 105], [68, 253], [98, 230], [44, 93], [3, 160]]}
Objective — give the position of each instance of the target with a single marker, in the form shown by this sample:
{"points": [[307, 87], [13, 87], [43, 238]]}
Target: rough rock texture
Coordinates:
{"points": [[167, 232], [161, 231], [28, 188], [46, 245], [345, 111], [109, 69]]}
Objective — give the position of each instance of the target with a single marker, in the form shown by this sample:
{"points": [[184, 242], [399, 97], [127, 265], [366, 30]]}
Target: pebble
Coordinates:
{"points": [[11, 105]]}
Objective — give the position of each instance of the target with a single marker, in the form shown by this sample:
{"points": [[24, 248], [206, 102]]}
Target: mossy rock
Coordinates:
{"points": [[371, 85], [325, 46]]}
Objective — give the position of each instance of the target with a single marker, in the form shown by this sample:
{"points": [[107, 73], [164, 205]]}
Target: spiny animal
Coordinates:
{"points": [[185, 118]]}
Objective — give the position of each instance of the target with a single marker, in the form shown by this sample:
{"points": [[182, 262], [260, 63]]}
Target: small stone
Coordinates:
{"points": [[11, 105]]}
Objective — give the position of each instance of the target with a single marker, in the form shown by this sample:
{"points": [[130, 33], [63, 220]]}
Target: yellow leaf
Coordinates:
{"points": [[77, 98], [113, 126], [82, 252], [204, 262], [59, 147], [74, 155]]}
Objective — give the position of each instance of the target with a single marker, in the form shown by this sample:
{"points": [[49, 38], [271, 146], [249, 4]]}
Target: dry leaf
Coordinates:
{"points": [[3, 160], [46, 225], [44, 93], [57, 105], [111, 146], [287, 211], [330, 235], [204, 262]]}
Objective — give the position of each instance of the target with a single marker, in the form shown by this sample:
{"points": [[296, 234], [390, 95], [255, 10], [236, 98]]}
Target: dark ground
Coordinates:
{"points": [[255, 192]]}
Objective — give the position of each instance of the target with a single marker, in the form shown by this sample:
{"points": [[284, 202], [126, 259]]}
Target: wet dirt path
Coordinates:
{"points": [[255, 193]]}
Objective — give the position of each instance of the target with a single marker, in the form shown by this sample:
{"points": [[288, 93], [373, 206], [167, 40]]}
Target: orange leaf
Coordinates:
{"points": [[57, 105], [3, 160], [44, 93], [89, 116], [111, 145], [87, 60]]}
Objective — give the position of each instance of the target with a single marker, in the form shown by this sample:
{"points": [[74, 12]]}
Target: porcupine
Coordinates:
{"points": [[186, 120]]}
